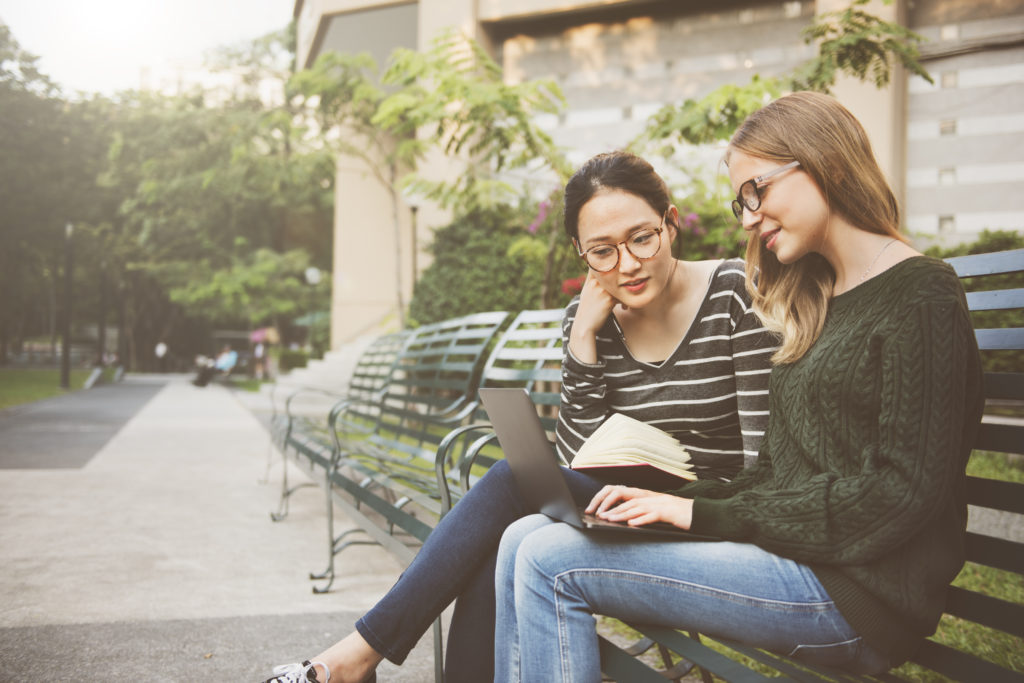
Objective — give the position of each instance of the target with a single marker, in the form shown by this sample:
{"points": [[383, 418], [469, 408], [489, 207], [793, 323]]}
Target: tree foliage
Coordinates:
{"points": [[850, 41], [190, 211], [475, 268], [49, 152], [456, 96]]}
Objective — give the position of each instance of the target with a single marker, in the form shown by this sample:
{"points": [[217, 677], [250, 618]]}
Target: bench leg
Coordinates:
{"points": [[438, 653], [335, 549], [282, 504]]}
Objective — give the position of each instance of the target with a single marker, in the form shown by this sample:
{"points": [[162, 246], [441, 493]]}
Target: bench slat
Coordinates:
{"points": [[1000, 339], [1004, 385], [400, 518], [998, 495], [995, 300], [701, 654], [986, 610], [1005, 438], [797, 671], [995, 552], [961, 666], [996, 263]]}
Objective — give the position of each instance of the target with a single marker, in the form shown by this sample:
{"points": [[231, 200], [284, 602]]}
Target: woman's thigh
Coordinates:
{"points": [[731, 590]]}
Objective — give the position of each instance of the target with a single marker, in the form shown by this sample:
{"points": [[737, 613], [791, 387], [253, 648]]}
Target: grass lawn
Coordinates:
{"points": [[246, 383], [24, 385]]}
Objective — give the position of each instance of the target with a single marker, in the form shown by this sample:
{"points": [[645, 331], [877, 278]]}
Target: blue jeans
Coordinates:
{"points": [[552, 578], [457, 563]]}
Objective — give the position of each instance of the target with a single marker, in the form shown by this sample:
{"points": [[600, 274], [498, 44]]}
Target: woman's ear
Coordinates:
{"points": [[672, 222]]}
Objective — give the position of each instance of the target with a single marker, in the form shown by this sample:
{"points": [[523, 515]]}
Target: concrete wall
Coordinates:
{"points": [[617, 67], [965, 150]]}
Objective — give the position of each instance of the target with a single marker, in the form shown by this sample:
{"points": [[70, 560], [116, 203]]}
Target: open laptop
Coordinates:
{"points": [[533, 462]]}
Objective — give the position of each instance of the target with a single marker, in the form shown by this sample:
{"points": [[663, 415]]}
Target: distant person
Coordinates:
{"points": [[223, 365], [161, 353], [259, 356]]}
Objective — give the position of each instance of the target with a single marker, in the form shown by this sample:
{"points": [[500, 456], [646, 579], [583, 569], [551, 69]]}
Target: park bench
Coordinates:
{"points": [[375, 454], [1001, 619], [301, 426], [407, 391]]}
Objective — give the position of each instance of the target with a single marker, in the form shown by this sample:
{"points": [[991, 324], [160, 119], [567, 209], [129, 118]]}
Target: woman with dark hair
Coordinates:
{"points": [[670, 342], [840, 541]]}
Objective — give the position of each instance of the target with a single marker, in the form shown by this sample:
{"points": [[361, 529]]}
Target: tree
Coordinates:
{"points": [[222, 197], [49, 151]]}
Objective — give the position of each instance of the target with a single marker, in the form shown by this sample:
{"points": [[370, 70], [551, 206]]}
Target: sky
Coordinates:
{"points": [[103, 45]]}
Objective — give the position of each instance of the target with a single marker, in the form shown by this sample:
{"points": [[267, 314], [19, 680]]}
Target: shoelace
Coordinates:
{"points": [[299, 673]]}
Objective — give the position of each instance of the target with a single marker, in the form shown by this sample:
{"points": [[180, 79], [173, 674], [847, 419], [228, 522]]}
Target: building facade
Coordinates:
{"points": [[953, 150]]}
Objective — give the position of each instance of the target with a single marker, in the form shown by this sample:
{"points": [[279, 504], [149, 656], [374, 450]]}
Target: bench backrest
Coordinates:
{"points": [[434, 377], [372, 370], [996, 298], [529, 355]]}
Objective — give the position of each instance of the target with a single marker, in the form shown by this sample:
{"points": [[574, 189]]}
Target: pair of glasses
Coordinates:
{"points": [[642, 245], [749, 196]]}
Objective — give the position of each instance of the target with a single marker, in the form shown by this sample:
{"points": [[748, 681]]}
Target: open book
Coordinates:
{"points": [[627, 451]]}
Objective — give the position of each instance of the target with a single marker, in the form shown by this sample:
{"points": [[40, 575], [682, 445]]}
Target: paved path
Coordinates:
{"points": [[137, 544]]}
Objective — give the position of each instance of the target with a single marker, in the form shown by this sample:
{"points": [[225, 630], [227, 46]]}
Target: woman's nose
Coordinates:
{"points": [[751, 219], [627, 262]]}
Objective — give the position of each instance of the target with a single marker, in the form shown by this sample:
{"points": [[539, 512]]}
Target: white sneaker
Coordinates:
{"points": [[299, 673]]}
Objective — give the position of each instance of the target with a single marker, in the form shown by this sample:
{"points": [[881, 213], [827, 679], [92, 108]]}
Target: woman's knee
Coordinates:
{"points": [[517, 532], [549, 549]]}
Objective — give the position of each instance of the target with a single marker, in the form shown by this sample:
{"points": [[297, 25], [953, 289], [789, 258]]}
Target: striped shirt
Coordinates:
{"points": [[711, 394]]}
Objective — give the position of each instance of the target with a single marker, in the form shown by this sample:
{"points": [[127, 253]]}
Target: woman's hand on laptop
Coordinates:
{"points": [[639, 506]]}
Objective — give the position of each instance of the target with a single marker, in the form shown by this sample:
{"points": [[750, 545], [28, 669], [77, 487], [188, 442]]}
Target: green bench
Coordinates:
{"points": [[376, 454], [301, 427], [377, 444]]}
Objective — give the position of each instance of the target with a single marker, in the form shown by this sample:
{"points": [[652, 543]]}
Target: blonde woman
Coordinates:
{"points": [[840, 541]]}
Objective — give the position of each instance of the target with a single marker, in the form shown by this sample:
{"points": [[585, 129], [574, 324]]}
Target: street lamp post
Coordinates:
{"points": [[313, 277], [65, 346]]}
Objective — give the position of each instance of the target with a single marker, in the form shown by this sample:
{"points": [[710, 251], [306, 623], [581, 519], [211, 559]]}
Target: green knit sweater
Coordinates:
{"points": [[861, 470]]}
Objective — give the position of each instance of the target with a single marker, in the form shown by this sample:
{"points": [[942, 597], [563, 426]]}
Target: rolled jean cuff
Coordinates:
{"points": [[396, 657]]}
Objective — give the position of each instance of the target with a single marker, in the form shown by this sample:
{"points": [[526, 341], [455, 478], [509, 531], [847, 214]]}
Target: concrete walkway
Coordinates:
{"points": [[137, 544]]}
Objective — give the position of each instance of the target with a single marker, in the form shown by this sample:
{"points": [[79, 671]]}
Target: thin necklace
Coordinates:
{"points": [[877, 256]]}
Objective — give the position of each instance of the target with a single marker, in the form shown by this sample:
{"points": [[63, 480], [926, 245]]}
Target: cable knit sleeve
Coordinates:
{"points": [[583, 407], [876, 427]]}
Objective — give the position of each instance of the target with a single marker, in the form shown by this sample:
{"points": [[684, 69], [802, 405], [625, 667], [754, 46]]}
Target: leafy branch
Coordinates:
{"points": [[850, 41]]}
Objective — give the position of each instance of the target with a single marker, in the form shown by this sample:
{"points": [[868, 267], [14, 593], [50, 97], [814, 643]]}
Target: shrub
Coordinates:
{"points": [[473, 270], [291, 358]]}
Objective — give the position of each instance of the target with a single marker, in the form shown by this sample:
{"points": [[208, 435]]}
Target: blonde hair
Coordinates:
{"points": [[835, 152]]}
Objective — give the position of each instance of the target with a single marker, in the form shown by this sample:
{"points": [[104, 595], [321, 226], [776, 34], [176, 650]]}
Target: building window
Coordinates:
{"points": [[949, 32], [949, 79], [791, 10], [947, 225], [947, 127]]}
